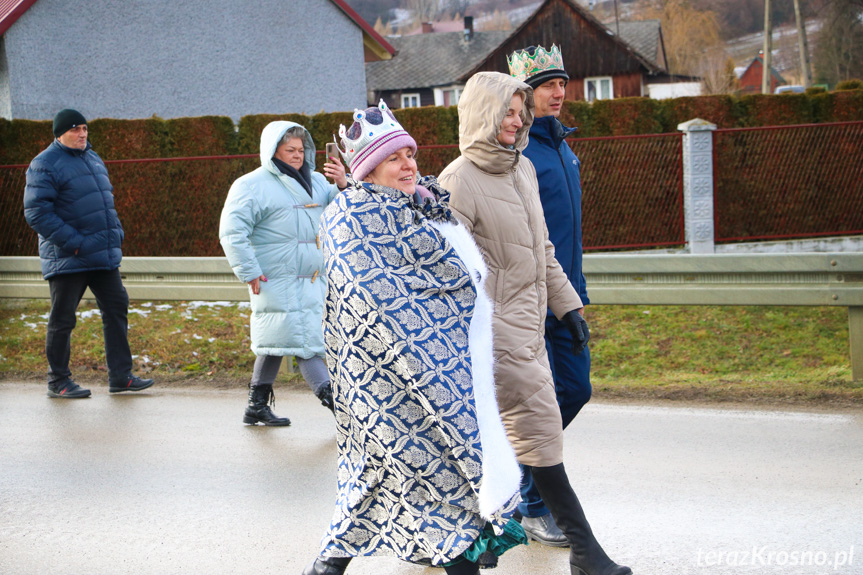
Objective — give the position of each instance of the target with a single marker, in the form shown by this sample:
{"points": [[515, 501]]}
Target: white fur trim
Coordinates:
{"points": [[501, 474]]}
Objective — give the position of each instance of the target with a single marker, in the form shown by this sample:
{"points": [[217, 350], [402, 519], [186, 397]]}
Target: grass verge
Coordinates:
{"points": [[764, 355]]}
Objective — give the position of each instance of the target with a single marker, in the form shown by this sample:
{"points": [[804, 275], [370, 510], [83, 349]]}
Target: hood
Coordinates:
{"points": [[270, 137], [481, 109]]}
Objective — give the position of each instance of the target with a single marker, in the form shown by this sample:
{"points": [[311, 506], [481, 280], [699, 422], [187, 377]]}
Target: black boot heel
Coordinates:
{"points": [[586, 555], [327, 566]]}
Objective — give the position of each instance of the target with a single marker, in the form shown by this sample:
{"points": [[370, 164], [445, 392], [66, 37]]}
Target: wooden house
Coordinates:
{"points": [[600, 64], [751, 78], [431, 68]]}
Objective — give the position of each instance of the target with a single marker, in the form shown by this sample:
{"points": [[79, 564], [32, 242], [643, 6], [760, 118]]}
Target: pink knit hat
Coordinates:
{"points": [[374, 135]]}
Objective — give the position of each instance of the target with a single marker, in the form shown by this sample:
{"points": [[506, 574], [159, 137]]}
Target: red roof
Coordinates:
{"points": [[366, 27], [11, 10]]}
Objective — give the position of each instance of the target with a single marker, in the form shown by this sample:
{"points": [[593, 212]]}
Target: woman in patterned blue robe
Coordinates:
{"points": [[425, 471]]}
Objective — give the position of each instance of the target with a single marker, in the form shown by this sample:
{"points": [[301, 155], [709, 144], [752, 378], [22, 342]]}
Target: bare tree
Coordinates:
{"points": [[383, 29], [716, 70], [497, 21], [837, 54], [689, 33], [456, 6], [424, 10]]}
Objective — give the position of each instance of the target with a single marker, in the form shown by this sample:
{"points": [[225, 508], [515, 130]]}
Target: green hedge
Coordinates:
{"points": [[172, 208], [21, 140]]}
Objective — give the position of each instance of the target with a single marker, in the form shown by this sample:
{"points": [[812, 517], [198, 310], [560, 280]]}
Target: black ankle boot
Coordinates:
{"points": [[464, 567], [325, 394], [327, 566], [258, 411], [586, 556]]}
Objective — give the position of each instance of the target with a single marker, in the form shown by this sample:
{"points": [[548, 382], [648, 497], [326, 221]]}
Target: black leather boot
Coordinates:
{"points": [[464, 567], [258, 411], [586, 556], [544, 530], [327, 566], [325, 394]]}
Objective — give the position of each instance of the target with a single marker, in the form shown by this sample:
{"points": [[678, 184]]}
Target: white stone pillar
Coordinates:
{"points": [[698, 185]]}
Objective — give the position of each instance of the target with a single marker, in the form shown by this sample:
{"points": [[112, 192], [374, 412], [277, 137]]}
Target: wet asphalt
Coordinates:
{"points": [[169, 481]]}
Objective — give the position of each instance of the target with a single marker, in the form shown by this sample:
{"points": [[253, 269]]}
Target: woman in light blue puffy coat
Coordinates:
{"points": [[269, 232]]}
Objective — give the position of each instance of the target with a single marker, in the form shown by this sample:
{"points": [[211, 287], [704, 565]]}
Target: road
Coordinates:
{"points": [[169, 481]]}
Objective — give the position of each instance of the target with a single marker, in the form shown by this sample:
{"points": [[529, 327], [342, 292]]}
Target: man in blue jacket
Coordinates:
{"points": [[69, 202], [557, 170]]}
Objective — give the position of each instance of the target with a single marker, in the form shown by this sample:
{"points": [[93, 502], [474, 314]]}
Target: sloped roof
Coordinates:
{"points": [[778, 77], [650, 65], [644, 36], [11, 10], [440, 27], [373, 41], [429, 60]]}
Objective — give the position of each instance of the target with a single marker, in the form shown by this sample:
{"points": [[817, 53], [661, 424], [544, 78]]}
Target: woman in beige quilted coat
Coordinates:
{"points": [[494, 192]]}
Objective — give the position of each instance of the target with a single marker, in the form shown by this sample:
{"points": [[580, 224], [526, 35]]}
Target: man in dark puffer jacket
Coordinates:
{"points": [[68, 201]]}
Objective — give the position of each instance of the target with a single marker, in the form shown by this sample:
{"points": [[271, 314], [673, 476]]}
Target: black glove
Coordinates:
{"points": [[577, 326]]}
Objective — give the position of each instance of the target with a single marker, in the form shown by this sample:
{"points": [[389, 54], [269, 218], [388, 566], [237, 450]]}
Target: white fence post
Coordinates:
{"points": [[698, 185]]}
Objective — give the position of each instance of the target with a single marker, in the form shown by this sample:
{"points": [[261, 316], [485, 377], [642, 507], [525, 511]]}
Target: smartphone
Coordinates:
{"points": [[332, 150]]}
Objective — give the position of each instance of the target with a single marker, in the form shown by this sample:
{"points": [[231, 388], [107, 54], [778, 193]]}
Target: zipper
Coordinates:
{"points": [[571, 202]]}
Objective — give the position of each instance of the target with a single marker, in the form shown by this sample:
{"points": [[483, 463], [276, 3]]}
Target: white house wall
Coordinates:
{"points": [[137, 58], [673, 90], [5, 93]]}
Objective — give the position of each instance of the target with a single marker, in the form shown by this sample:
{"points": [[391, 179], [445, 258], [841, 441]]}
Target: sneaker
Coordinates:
{"points": [[67, 389], [544, 530], [130, 383]]}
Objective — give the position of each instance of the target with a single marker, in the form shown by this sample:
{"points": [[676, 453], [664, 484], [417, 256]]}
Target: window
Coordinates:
{"points": [[447, 96], [410, 100], [600, 88]]}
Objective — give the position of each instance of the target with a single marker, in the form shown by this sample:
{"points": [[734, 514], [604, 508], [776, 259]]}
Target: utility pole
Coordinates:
{"points": [[805, 67], [766, 57], [616, 19]]}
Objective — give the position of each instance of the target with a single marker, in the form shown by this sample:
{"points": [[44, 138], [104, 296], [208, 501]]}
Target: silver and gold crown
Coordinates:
{"points": [[375, 131], [368, 129], [527, 65]]}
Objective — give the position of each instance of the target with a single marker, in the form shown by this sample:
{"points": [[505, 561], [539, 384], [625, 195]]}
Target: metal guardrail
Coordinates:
{"points": [[208, 279], [824, 279]]}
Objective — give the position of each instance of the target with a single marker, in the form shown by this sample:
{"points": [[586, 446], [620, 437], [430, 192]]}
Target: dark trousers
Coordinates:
{"points": [[571, 375], [66, 293]]}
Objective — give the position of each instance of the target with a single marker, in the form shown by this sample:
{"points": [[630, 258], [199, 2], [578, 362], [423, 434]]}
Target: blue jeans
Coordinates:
{"points": [[571, 375]]}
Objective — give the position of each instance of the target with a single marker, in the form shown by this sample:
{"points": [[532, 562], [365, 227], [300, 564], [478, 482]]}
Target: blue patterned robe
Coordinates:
{"points": [[424, 462]]}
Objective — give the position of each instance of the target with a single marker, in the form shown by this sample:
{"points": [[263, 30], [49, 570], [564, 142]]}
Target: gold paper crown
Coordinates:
{"points": [[523, 65]]}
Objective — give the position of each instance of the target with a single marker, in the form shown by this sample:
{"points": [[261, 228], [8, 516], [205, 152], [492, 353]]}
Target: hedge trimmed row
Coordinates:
{"points": [[629, 116], [21, 140], [632, 191]]}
